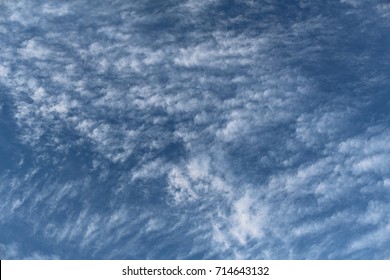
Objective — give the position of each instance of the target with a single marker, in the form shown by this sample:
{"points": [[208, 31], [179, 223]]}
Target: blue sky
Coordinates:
{"points": [[204, 129]]}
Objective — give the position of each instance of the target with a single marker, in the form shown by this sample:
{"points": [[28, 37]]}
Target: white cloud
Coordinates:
{"points": [[9, 251], [228, 50], [314, 129], [153, 225], [375, 163], [198, 6], [180, 187], [13, 251], [374, 239], [377, 213], [198, 168], [150, 170], [353, 3], [383, 10], [53, 10], [33, 49], [248, 219], [325, 225], [3, 71]]}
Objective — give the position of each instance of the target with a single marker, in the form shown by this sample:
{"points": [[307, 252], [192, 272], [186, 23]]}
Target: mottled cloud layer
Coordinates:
{"points": [[194, 129]]}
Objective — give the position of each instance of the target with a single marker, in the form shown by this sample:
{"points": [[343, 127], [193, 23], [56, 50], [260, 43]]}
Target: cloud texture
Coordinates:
{"points": [[194, 129]]}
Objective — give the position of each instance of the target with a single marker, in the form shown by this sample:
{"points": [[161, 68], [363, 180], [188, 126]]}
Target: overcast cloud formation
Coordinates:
{"points": [[198, 129]]}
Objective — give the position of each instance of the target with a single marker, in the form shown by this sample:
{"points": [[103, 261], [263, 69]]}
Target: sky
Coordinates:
{"points": [[195, 129]]}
